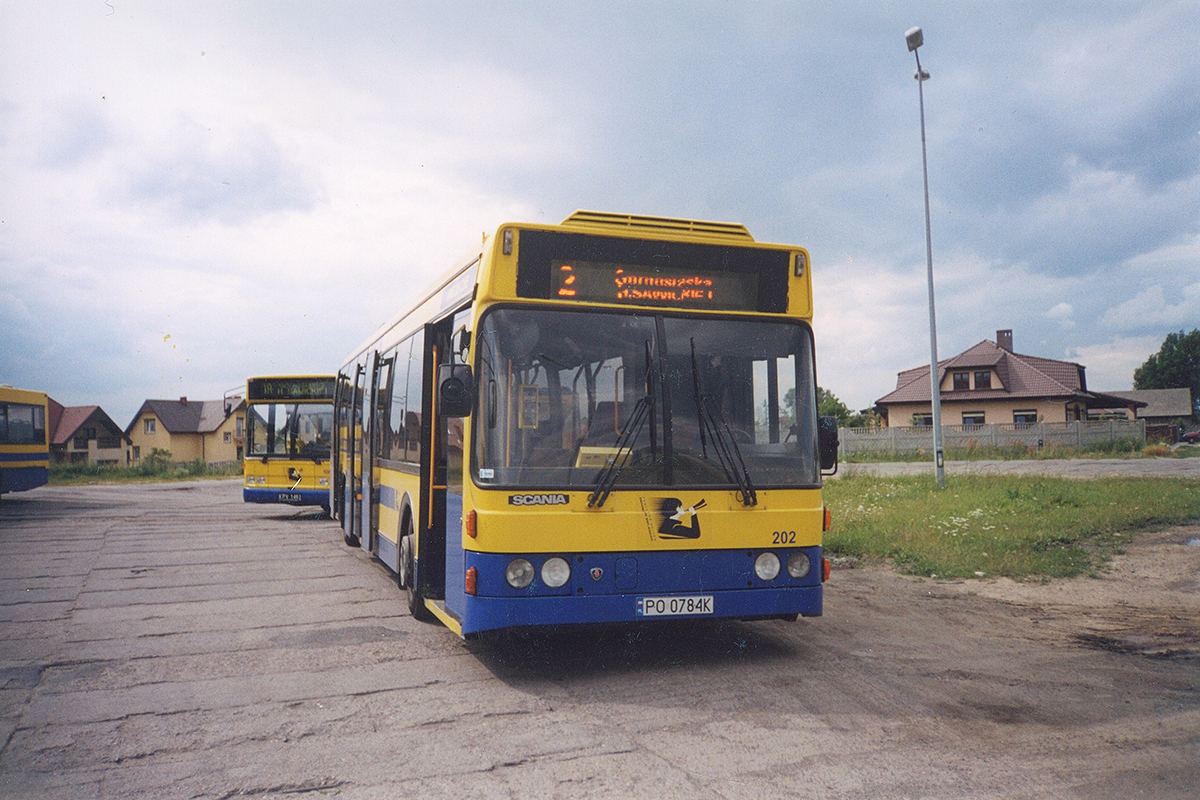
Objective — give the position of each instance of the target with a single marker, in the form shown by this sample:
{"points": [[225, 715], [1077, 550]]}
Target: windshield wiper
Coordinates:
{"points": [[643, 411], [712, 424], [612, 469]]}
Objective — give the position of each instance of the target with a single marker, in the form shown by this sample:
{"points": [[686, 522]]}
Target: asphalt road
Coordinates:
{"points": [[168, 641]]}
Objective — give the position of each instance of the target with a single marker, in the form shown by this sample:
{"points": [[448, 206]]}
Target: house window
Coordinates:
{"points": [[137, 453], [240, 432], [962, 381], [148, 425], [983, 380], [228, 437], [922, 420], [972, 419], [1023, 419]]}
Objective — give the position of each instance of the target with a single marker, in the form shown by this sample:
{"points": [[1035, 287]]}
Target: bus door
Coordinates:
{"points": [[381, 408], [370, 371], [353, 458], [430, 566], [454, 339], [337, 473]]}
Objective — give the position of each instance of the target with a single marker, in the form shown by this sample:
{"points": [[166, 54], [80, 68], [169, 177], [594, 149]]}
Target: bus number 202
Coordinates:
{"points": [[783, 537]]}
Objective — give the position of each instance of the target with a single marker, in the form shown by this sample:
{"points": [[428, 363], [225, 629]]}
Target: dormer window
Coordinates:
{"points": [[983, 380], [962, 381]]}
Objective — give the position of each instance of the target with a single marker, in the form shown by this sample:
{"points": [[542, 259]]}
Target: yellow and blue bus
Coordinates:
{"points": [[24, 446], [289, 433], [610, 419]]}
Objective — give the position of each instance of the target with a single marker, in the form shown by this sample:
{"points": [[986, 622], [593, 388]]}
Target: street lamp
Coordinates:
{"points": [[915, 39]]}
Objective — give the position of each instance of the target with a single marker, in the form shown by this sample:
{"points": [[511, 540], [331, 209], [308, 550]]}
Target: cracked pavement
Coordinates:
{"points": [[168, 641]]}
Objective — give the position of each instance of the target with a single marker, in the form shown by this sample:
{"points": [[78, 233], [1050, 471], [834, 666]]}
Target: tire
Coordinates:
{"points": [[407, 579]]}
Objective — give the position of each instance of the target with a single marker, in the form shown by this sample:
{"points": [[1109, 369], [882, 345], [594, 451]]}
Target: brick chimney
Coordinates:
{"points": [[183, 400], [1004, 339]]}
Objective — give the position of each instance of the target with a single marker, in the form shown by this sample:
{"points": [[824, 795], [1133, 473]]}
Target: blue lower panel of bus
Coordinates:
{"points": [[22, 479], [297, 497], [629, 587]]}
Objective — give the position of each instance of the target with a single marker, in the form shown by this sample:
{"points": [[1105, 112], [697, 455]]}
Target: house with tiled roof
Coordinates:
{"points": [[85, 435], [211, 431], [1163, 406], [990, 383]]}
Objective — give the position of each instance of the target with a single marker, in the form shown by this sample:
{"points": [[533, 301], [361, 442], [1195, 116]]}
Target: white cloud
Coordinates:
{"points": [[1159, 307], [1062, 313], [1110, 364]]}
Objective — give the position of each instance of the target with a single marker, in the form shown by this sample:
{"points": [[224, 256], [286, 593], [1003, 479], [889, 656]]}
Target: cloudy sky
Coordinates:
{"points": [[191, 193]]}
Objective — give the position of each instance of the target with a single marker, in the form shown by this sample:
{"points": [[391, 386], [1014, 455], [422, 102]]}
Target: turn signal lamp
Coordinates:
{"points": [[472, 579], [469, 525], [828, 521], [824, 570]]}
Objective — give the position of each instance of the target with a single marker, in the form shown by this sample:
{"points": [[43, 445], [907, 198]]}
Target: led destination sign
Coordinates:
{"points": [[628, 284], [290, 389], [692, 276]]}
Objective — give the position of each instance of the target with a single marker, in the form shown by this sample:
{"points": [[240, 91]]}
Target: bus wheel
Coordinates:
{"points": [[408, 579]]}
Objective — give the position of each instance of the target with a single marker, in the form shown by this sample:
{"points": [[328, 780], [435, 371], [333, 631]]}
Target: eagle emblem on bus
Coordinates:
{"points": [[677, 521]]}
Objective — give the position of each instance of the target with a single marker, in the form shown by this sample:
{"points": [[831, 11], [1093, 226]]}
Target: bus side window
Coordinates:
{"points": [[416, 377], [384, 370], [395, 450]]}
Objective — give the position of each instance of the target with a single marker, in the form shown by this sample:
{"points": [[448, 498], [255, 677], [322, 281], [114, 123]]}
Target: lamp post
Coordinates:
{"points": [[915, 39]]}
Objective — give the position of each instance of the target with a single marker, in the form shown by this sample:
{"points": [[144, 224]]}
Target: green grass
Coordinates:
{"points": [[1014, 526], [83, 474]]}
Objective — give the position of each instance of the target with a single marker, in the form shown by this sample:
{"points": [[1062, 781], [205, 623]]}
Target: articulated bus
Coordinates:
{"points": [[24, 446], [289, 432], [610, 419]]}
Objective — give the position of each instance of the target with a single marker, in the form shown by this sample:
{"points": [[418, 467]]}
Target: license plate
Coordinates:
{"points": [[288, 498], [674, 606]]}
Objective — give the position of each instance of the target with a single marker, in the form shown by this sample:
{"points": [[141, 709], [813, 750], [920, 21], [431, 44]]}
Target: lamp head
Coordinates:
{"points": [[915, 38]]}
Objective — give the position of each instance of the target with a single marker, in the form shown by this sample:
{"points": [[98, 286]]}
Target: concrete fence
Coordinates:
{"points": [[958, 437]]}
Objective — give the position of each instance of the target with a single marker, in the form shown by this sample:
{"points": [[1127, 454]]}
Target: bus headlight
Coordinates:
{"points": [[766, 566], [519, 573], [798, 564], [556, 572]]}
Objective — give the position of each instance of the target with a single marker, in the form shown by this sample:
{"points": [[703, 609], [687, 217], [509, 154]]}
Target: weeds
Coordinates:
{"points": [[149, 470], [1015, 526], [1123, 448]]}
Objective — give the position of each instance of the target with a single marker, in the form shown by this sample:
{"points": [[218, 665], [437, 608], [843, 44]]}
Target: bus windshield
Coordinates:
{"points": [[656, 399], [290, 429]]}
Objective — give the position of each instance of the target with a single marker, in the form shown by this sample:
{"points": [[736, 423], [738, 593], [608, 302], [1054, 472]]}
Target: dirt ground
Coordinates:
{"points": [[1101, 673]]}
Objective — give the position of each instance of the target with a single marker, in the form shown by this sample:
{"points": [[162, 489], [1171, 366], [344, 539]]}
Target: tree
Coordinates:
{"points": [[1176, 365], [829, 406]]}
